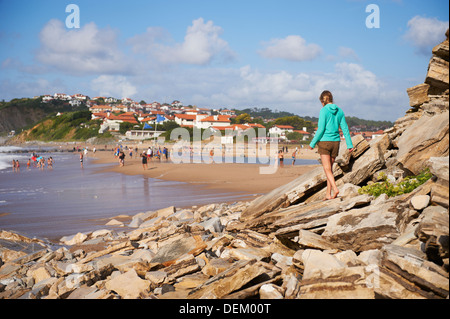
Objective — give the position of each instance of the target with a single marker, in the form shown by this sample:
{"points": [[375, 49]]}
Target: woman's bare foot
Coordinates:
{"points": [[336, 193]]}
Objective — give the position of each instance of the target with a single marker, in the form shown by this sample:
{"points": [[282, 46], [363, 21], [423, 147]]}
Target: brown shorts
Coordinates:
{"points": [[329, 148]]}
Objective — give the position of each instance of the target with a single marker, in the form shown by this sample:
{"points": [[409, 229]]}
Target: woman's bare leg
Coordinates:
{"points": [[327, 163]]}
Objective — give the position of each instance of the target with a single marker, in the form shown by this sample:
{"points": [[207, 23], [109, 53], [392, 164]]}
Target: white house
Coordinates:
{"points": [[75, 102], [281, 130], [227, 112], [111, 100], [62, 96], [213, 121], [185, 119], [177, 104], [47, 98], [100, 108], [127, 100], [79, 97], [120, 108]]}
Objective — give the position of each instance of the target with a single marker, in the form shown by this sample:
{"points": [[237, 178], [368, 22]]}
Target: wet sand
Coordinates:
{"points": [[235, 177]]}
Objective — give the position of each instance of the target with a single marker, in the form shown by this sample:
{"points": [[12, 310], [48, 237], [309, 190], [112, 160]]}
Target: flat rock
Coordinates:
{"points": [[288, 194], [168, 254], [362, 229], [74, 239], [224, 283], [368, 163], [316, 260], [128, 285], [418, 94], [216, 266], [438, 75], [337, 283]]}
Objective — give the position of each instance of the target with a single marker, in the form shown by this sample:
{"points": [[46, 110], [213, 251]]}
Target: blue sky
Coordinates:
{"points": [[223, 54]]}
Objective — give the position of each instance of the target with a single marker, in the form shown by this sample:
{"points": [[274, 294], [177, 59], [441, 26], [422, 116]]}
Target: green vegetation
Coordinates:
{"points": [[287, 118], [368, 124], [264, 113], [72, 126], [407, 185]]}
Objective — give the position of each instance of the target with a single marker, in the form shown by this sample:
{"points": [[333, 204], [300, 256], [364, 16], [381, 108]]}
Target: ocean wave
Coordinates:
{"points": [[8, 149], [7, 158]]}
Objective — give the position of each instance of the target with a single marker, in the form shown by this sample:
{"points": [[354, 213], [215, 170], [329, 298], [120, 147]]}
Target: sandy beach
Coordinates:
{"points": [[236, 177]]}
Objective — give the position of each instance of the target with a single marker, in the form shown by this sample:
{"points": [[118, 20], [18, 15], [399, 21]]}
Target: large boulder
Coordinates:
{"points": [[427, 137], [438, 76]]}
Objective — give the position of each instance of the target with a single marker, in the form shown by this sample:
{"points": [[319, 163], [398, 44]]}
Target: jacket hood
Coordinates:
{"points": [[332, 108]]}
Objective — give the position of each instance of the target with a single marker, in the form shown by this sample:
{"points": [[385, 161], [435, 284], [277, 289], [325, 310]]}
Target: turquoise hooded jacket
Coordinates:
{"points": [[330, 119]]}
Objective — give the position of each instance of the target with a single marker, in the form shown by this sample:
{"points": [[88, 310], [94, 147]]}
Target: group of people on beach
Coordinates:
{"points": [[151, 153], [284, 150], [146, 155], [34, 161]]}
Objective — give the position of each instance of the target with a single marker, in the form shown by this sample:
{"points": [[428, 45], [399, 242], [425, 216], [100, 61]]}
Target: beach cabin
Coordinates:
{"points": [[142, 134]]}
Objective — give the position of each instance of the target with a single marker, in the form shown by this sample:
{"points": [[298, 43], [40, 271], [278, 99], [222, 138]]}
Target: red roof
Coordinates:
{"points": [[285, 127], [186, 116], [216, 118], [124, 117]]}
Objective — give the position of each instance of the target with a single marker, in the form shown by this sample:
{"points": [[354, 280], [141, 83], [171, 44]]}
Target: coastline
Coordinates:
{"points": [[172, 185], [233, 177]]}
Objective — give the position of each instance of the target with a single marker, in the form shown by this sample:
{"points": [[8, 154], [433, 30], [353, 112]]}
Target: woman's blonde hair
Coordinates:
{"points": [[326, 97]]}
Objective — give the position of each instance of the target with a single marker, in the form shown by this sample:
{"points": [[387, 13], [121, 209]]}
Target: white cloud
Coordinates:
{"points": [[292, 48], [357, 90], [116, 86], [30, 86], [348, 53], [80, 51], [202, 44], [425, 33]]}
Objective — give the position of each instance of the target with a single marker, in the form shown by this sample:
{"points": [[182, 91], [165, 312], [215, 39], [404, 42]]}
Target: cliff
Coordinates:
{"points": [[19, 114]]}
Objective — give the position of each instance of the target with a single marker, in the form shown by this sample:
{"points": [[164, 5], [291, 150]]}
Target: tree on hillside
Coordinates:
{"points": [[242, 119], [295, 121]]}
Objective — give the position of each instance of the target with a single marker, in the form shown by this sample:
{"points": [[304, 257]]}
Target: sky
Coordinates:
{"points": [[223, 53]]}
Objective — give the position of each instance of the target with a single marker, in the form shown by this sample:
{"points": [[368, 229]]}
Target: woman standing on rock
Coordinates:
{"points": [[328, 138]]}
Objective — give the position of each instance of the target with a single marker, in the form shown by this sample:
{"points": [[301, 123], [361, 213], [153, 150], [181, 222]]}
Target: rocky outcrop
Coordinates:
{"points": [[286, 244]]}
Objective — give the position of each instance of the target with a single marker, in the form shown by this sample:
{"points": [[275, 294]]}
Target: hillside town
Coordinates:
{"points": [[145, 116]]}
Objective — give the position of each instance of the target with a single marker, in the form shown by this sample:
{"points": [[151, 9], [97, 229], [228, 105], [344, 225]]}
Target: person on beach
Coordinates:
{"points": [[121, 159], [28, 164], [327, 138], [281, 157], [211, 155], [144, 160], [294, 155], [81, 159], [149, 153]]}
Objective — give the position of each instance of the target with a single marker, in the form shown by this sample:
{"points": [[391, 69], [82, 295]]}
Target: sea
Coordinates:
{"points": [[53, 202]]}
